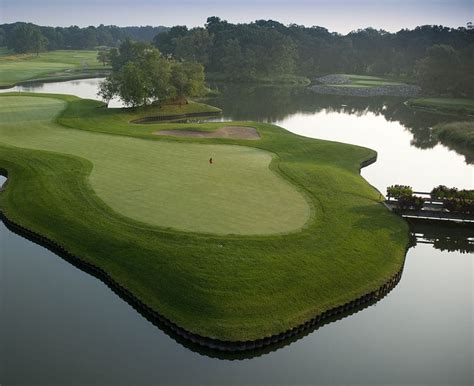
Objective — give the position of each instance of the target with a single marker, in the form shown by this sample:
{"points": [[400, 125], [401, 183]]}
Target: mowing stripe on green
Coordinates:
{"points": [[166, 184]]}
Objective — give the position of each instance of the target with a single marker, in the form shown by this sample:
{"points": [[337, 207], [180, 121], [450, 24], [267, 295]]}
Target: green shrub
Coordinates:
{"points": [[459, 205], [443, 192], [397, 191], [406, 202]]}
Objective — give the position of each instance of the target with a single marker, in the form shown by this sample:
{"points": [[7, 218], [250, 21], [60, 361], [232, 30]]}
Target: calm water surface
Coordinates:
{"points": [[59, 325]]}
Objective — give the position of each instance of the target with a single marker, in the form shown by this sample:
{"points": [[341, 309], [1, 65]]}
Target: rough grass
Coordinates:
{"points": [[454, 105], [15, 68], [458, 136], [227, 287]]}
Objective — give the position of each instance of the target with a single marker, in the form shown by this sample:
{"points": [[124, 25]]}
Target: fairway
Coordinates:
{"points": [[163, 183], [53, 64]]}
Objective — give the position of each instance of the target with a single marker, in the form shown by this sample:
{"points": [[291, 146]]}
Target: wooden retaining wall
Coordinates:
{"points": [[158, 118]]}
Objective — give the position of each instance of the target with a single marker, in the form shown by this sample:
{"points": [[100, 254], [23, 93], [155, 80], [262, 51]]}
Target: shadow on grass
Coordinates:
{"points": [[369, 219]]}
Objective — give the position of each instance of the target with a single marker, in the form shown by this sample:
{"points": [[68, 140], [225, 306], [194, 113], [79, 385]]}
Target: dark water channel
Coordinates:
{"points": [[59, 325]]}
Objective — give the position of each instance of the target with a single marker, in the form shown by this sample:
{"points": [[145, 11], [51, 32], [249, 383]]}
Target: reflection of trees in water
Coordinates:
{"points": [[270, 104], [451, 238]]}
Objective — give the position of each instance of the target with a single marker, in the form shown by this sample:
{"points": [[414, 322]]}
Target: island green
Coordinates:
{"points": [[272, 233]]}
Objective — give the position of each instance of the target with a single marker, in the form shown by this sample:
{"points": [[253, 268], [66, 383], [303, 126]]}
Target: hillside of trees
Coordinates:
{"points": [[268, 48], [26, 37], [437, 58]]}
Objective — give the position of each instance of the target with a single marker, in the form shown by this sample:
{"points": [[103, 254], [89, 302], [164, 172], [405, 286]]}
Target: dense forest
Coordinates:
{"points": [[266, 48], [26, 37], [437, 58]]}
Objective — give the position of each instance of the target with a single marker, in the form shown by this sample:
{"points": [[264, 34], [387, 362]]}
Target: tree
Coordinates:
{"points": [[103, 56], [165, 41], [27, 38], [108, 88], [159, 75], [194, 46], [131, 85], [141, 75], [438, 72], [3, 37], [234, 64], [187, 79], [90, 38], [38, 41]]}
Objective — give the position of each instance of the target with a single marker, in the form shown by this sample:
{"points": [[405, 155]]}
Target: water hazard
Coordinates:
{"points": [[61, 325]]}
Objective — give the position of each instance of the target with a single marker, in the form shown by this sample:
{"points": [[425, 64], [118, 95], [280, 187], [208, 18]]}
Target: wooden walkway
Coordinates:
{"points": [[432, 211]]}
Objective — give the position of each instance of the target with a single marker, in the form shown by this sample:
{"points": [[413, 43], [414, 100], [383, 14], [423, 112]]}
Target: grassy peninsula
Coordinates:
{"points": [[273, 232]]}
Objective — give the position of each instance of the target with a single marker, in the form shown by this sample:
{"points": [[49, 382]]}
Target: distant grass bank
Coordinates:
{"points": [[450, 105], [274, 232], [48, 66], [458, 136], [362, 86], [286, 79]]}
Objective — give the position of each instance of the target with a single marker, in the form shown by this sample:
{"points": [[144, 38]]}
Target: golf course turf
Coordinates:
{"points": [[273, 232], [47, 66], [446, 105]]}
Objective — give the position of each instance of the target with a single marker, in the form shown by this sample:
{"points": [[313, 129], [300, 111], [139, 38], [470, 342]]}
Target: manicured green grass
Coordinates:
{"points": [[53, 65], [166, 184], [231, 287], [367, 81], [454, 105]]}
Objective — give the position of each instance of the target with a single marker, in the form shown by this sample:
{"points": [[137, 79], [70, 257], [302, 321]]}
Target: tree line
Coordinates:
{"points": [[268, 48], [27, 37], [436, 57]]}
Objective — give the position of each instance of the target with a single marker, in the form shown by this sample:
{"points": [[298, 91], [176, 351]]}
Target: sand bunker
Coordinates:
{"points": [[231, 132]]}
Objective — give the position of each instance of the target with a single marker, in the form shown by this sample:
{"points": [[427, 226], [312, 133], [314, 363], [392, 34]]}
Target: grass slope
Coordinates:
{"points": [[49, 65], [458, 136], [453, 105], [284, 79], [221, 286]]}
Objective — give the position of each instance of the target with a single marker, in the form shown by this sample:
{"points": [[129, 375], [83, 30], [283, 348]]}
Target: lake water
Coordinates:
{"points": [[60, 325]]}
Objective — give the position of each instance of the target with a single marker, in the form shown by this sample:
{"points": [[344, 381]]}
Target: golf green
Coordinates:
{"points": [[163, 183]]}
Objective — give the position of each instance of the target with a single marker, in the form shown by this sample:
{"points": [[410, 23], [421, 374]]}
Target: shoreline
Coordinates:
{"points": [[54, 79]]}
